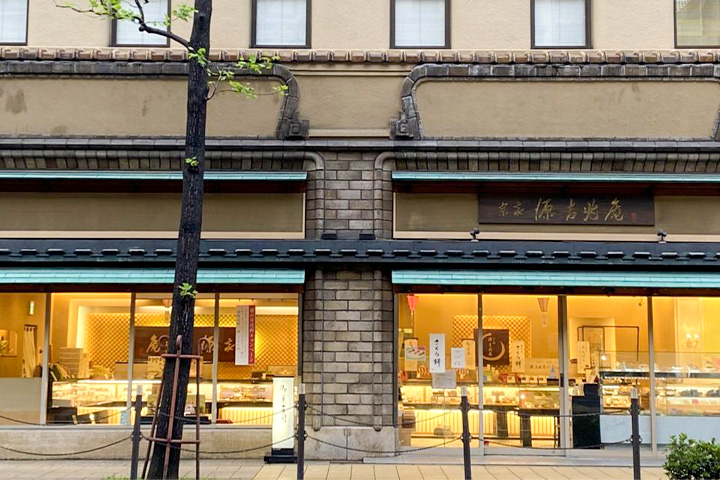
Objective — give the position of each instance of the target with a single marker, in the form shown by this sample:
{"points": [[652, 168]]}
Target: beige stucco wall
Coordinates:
{"points": [[124, 106], [348, 104], [568, 109], [134, 213], [638, 24], [458, 213], [365, 25], [490, 24], [343, 24]]}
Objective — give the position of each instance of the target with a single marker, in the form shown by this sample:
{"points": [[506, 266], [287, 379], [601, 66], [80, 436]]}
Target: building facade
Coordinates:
{"points": [[520, 197]]}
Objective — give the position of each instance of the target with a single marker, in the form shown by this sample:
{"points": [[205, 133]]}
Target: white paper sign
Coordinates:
{"points": [[446, 380], [517, 356], [583, 356], [468, 345], [283, 420], [437, 353], [245, 335], [457, 357]]}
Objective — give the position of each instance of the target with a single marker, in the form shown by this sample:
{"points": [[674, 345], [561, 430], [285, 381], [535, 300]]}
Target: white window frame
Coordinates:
{"points": [[586, 27], [394, 17], [15, 40], [258, 37], [141, 39]]}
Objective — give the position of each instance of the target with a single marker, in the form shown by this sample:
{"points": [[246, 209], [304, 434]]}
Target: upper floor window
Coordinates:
{"points": [[561, 24], [420, 23], [281, 23], [13, 22], [126, 32], [697, 23]]}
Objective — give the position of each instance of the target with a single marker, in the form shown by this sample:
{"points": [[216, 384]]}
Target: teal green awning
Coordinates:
{"points": [[552, 177], [502, 278], [156, 276], [147, 175]]}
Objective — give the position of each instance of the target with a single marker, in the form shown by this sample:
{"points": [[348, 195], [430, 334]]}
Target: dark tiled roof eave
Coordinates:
{"points": [[386, 253]]}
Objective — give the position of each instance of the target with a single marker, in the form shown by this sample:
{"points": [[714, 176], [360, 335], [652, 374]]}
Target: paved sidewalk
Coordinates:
{"points": [[247, 470]]}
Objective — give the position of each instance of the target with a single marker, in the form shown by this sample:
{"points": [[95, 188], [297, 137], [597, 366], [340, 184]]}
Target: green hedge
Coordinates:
{"points": [[689, 459]]}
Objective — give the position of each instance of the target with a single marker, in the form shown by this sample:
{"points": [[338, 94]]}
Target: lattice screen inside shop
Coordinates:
{"points": [[106, 339]]}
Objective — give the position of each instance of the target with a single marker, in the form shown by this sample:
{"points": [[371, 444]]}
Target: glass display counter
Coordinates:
{"points": [[511, 411], [104, 401]]}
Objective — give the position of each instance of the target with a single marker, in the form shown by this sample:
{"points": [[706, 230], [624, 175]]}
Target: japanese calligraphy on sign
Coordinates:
{"points": [[496, 347], [567, 210], [152, 341], [437, 353]]}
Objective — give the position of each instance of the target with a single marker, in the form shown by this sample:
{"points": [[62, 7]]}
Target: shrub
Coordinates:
{"points": [[689, 459]]}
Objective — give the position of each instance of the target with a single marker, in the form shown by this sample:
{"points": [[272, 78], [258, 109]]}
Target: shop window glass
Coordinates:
{"points": [[521, 386], [560, 23], [430, 326], [245, 379], [687, 356], [88, 361], [420, 23], [152, 323], [697, 23], [608, 357], [127, 32], [13, 21], [22, 329]]}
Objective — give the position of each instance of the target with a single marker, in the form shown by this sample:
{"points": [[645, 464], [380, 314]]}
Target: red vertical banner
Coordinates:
{"points": [[251, 335]]}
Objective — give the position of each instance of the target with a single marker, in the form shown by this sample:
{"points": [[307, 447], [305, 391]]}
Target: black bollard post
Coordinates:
{"points": [[301, 434], [635, 413], [464, 407], [136, 435]]}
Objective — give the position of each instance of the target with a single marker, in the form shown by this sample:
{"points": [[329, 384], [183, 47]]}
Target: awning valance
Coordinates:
{"points": [[583, 177], [215, 176], [152, 276], [516, 278]]}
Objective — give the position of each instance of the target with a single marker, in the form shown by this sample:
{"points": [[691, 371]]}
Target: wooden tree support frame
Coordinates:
{"points": [[170, 442]]}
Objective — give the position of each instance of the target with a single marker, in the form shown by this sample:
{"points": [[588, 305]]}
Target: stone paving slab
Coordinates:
{"points": [[249, 470]]}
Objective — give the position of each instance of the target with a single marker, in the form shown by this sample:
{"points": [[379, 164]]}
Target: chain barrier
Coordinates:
{"points": [[96, 418], [70, 454], [224, 452], [191, 418], [363, 424], [585, 447], [395, 453]]}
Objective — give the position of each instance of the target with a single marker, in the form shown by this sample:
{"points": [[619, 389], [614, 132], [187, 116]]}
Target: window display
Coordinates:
{"points": [[687, 358], [22, 328], [95, 369], [438, 348]]}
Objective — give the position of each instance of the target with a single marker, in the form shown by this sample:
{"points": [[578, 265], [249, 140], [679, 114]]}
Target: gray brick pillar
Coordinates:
{"points": [[348, 361]]}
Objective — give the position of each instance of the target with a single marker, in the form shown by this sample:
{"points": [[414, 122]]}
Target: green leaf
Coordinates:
{"points": [[192, 161], [187, 290]]}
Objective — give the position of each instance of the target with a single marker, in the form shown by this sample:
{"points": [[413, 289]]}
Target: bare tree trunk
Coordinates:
{"points": [[188, 249]]}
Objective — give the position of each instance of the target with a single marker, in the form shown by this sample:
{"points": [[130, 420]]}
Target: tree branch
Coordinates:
{"points": [[164, 33]]}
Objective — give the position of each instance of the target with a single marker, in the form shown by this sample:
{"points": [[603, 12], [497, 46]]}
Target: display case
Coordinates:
{"points": [[105, 401], [692, 393]]}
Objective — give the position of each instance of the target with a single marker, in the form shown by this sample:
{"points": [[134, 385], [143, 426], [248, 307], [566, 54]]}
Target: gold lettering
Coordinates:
{"points": [[591, 211], [544, 210], [615, 211], [571, 211], [518, 209], [503, 209]]}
